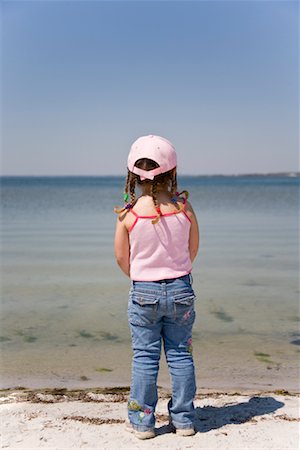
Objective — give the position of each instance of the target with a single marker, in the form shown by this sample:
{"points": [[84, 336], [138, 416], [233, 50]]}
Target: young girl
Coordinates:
{"points": [[156, 240]]}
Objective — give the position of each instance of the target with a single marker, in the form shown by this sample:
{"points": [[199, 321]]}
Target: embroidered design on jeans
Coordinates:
{"points": [[189, 346], [142, 414], [186, 315], [134, 406]]}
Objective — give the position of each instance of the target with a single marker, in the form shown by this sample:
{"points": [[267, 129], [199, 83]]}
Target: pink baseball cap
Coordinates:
{"points": [[152, 147]]}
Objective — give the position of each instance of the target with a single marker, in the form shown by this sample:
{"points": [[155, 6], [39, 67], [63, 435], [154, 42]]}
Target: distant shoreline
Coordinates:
{"points": [[268, 174]]}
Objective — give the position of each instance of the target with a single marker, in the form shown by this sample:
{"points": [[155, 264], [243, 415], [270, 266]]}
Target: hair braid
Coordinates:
{"points": [[154, 196], [129, 186], [166, 181], [174, 192], [132, 183], [174, 183], [127, 183]]}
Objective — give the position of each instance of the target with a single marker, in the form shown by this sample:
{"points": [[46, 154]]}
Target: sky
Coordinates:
{"points": [[81, 80]]}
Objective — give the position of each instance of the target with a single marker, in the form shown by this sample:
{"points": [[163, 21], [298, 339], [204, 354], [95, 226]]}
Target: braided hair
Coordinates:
{"points": [[129, 192], [169, 179]]}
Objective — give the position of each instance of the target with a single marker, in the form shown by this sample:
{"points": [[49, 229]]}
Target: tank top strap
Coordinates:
{"points": [[184, 210], [142, 217], [134, 213], [135, 221]]}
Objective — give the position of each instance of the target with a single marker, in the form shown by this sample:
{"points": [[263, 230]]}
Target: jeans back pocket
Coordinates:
{"points": [[184, 307], [142, 308]]}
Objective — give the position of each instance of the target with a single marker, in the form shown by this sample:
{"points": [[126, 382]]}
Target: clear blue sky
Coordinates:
{"points": [[81, 80]]}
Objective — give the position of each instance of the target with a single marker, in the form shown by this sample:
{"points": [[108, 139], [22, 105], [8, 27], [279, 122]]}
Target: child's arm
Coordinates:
{"points": [[122, 248], [194, 232]]}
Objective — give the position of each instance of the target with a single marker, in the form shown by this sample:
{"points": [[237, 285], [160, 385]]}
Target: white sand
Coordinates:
{"points": [[243, 421]]}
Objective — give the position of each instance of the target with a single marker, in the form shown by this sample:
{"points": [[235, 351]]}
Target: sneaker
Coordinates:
{"points": [[128, 426], [139, 434], [185, 431], [181, 431], [144, 434]]}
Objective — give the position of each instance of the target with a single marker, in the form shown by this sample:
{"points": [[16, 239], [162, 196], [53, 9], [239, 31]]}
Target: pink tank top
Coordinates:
{"points": [[160, 251]]}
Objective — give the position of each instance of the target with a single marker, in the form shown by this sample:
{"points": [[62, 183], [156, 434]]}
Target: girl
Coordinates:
{"points": [[156, 241]]}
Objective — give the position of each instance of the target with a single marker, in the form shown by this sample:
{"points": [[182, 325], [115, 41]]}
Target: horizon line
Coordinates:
{"points": [[286, 173]]}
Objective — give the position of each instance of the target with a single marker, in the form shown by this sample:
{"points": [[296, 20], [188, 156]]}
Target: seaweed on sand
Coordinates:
{"points": [[108, 336], [26, 337], [85, 334], [263, 357], [103, 369]]}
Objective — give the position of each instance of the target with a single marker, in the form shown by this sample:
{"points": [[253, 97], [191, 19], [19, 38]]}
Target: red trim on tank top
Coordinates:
{"points": [[162, 215], [185, 213], [141, 217], [131, 228]]}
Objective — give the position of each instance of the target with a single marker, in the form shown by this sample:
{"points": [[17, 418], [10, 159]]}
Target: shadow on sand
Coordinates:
{"points": [[214, 417]]}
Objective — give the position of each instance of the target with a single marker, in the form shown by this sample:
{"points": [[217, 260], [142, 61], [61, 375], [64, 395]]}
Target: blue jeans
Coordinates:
{"points": [[161, 311]]}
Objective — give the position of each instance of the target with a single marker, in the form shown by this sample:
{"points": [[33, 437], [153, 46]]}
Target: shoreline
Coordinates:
{"points": [[278, 381], [59, 394]]}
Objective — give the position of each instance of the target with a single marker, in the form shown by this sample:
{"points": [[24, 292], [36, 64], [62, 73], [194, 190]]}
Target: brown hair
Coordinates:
{"points": [[167, 179]]}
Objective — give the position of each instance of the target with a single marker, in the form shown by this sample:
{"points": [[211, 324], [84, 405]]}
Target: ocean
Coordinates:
{"points": [[64, 300]]}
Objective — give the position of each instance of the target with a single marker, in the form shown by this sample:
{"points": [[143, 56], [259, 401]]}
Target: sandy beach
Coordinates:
{"points": [[95, 419]]}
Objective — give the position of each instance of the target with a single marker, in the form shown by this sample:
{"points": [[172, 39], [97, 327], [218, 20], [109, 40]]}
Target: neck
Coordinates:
{"points": [[146, 190]]}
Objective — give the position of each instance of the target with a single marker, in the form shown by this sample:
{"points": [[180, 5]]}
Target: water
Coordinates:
{"points": [[64, 300]]}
